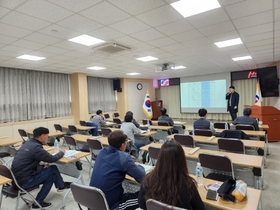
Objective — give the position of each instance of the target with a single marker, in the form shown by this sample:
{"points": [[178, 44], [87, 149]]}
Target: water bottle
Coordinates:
{"points": [[56, 146], [199, 174], [226, 126], [149, 126]]}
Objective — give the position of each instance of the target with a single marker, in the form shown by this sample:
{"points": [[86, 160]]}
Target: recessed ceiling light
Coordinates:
{"points": [[189, 8], [242, 58], [133, 73], [228, 43], [31, 57], [147, 58], [96, 68], [178, 67], [86, 40]]}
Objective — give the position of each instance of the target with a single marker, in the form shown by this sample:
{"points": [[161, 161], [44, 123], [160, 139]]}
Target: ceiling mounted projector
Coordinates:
{"points": [[164, 67]]}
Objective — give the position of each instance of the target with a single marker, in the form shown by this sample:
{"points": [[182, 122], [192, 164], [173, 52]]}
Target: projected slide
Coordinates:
{"points": [[204, 94]]}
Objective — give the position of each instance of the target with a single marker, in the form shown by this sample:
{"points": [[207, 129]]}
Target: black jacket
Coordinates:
{"points": [[27, 159], [234, 101]]}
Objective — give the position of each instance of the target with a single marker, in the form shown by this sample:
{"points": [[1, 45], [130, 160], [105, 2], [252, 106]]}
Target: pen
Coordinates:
{"points": [[205, 188]]}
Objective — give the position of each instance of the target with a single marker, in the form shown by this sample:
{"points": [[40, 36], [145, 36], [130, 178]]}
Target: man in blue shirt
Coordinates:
{"points": [[110, 168]]}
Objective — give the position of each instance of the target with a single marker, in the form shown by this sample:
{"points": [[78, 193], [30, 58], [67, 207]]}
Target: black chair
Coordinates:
{"points": [[106, 131], [231, 145], [14, 190], [94, 146], [118, 122], [153, 154], [221, 125], [203, 132], [90, 197], [58, 127], [244, 127], [116, 114], [236, 134], [23, 134], [72, 129], [152, 204], [82, 123], [145, 122], [163, 123], [106, 116], [220, 166], [184, 140]]}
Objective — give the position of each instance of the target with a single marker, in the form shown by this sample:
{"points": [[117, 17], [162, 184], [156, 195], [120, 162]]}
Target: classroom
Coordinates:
{"points": [[183, 61]]}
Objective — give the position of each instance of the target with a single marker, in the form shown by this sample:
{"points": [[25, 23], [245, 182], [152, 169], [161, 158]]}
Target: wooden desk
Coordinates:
{"points": [[51, 134], [248, 132], [250, 202], [83, 139], [80, 127], [108, 124], [4, 180], [7, 141], [180, 123], [159, 127], [204, 139]]}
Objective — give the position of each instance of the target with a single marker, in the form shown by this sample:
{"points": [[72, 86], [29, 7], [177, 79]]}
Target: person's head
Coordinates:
{"points": [[129, 113], [202, 112], [99, 112], [41, 134], [128, 118], [247, 111], [171, 167], [231, 89], [117, 139], [163, 111]]}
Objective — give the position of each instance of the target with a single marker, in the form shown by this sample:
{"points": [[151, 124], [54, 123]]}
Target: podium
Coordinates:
{"points": [[270, 116], [156, 107]]}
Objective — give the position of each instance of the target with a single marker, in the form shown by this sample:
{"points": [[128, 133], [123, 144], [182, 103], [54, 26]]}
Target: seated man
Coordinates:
{"points": [[165, 118], [246, 119], [202, 123], [134, 121], [28, 171], [110, 168], [97, 121]]}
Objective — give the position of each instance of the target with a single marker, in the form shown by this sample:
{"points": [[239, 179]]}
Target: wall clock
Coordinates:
{"points": [[139, 86]]}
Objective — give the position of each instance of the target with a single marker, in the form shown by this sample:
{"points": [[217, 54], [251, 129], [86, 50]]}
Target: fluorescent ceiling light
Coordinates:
{"points": [[189, 8], [31, 57], [147, 58], [228, 43], [178, 67], [86, 40], [96, 68], [242, 58], [133, 73]]}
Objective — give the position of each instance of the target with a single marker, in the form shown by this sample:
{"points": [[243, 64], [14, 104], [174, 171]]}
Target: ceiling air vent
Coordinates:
{"points": [[111, 48]]}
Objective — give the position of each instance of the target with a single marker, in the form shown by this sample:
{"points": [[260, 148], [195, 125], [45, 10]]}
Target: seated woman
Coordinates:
{"points": [[170, 182]]}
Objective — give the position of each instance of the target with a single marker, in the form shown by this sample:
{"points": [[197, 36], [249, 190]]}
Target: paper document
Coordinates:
{"points": [[177, 122], [70, 153], [142, 131], [147, 167]]}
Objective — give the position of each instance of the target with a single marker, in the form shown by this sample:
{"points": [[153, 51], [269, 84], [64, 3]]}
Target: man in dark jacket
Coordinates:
{"points": [[232, 98], [28, 171], [246, 119], [110, 168]]}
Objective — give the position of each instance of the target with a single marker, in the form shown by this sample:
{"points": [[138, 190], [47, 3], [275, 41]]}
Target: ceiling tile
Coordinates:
{"points": [[134, 26], [257, 37], [75, 6], [228, 2], [16, 50], [208, 18], [59, 32], [7, 39], [44, 10], [217, 28], [277, 14], [28, 44], [241, 9], [175, 27], [96, 13], [186, 36], [148, 35], [53, 49], [259, 43], [162, 42], [224, 36], [3, 11], [11, 4], [42, 38], [105, 34], [135, 7], [13, 31], [256, 29], [252, 20], [127, 40], [154, 17]]}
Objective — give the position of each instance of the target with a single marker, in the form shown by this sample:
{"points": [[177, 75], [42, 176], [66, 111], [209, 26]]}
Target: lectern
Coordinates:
{"points": [[270, 116], [156, 107]]}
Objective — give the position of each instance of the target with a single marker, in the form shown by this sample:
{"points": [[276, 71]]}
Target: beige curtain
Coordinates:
{"points": [[171, 100]]}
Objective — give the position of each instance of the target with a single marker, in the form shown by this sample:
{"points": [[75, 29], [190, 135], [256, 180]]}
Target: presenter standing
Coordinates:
{"points": [[232, 104]]}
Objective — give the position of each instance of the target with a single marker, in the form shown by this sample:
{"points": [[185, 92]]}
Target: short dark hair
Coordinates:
{"points": [[247, 111], [98, 112], [232, 87], [129, 113], [117, 138], [163, 111], [202, 112], [37, 132], [128, 118]]}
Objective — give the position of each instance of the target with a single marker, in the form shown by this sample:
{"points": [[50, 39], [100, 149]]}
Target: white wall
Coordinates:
{"points": [[136, 99]]}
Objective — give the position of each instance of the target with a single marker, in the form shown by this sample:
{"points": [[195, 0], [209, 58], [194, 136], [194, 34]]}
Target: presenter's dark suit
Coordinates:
{"points": [[232, 101]]}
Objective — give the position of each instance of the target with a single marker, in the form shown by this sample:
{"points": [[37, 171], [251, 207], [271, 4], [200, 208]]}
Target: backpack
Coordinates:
{"points": [[226, 189]]}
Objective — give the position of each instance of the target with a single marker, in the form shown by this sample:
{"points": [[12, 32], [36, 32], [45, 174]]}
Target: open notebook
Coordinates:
{"points": [[147, 167], [69, 153], [143, 131]]}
